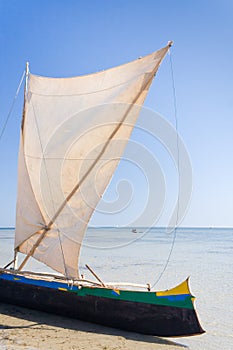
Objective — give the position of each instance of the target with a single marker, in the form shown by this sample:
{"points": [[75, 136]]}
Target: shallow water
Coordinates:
{"points": [[118, 254]]}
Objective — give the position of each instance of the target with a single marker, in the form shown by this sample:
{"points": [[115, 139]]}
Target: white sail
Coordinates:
{"points": [[73, 135]]}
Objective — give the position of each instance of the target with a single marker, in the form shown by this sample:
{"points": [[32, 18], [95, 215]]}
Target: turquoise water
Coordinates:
{"points": [[118, 254]]}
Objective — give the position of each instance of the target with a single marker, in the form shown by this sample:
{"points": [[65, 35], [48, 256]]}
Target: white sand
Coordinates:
{"points": [[29, 329]]}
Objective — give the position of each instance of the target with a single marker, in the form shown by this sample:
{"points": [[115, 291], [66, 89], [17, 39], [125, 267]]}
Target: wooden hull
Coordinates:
{"points": [[142, 317]]}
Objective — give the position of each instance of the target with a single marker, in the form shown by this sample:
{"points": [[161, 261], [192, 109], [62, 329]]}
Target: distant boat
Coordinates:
{"points": [[134, 230], [57, 196]]}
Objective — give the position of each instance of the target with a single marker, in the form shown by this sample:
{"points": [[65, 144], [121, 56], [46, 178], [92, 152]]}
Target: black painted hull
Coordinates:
{"points": [[133, 316]]}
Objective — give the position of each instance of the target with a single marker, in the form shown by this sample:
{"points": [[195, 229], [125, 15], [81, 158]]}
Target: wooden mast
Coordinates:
{"points": [[15, 261]]}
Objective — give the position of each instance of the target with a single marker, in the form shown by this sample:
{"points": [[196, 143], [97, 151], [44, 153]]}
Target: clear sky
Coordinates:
{"points": [[68, 38]]}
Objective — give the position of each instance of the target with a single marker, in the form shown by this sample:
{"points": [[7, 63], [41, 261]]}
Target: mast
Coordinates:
{"points": [[26, 80], [25, 94]]}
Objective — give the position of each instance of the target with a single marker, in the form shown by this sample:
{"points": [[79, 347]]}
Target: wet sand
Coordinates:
{"points": [[22, 328]]}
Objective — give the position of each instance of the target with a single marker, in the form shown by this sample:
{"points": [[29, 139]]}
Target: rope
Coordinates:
{"points": [[12, 106], [178, 168]]}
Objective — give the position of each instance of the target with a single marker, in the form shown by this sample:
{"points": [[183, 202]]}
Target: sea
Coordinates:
{"points": [[163, 258]]}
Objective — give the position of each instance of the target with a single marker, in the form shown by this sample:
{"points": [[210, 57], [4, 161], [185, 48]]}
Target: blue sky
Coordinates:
{"points": [[67, 38]]}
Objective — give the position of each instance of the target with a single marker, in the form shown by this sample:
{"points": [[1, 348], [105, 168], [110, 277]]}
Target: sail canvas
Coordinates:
{"points": [[74, 132]]}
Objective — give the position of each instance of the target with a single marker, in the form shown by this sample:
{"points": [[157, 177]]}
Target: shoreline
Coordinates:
{"points": [[22, 328]]}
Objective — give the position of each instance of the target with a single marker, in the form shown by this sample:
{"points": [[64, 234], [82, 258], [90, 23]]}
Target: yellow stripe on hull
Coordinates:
{"points": [[182, 288]]}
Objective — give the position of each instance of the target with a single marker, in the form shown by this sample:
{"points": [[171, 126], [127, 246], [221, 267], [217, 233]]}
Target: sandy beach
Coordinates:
{"points": [[22, 328]]}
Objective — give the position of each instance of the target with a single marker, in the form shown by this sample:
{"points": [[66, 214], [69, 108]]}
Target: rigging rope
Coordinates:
{"points": [[178, 168], [12, 106]]}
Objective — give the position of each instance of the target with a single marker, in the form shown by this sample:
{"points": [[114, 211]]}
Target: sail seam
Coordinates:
{"points": [[50, 191], [92, 92]]}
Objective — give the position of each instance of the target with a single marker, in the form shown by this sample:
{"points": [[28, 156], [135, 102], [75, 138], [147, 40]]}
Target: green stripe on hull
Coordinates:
{"points": [[182, 300]]}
